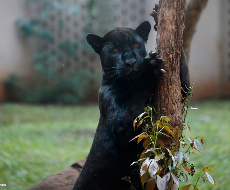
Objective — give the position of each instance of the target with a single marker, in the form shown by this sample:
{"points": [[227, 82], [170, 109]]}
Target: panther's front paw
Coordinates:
{"points": [[154, 15], [155, 63]]}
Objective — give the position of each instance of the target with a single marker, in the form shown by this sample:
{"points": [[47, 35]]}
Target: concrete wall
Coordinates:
{"points": [[15, 57], [205, 61]]}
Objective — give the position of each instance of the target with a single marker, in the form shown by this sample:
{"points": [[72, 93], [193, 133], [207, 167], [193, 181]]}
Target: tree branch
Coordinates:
{"points": [[192, 15], [169, 45]]}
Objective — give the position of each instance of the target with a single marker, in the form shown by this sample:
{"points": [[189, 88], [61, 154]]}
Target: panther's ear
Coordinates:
{"points": [[95, 41], [143, 30]]}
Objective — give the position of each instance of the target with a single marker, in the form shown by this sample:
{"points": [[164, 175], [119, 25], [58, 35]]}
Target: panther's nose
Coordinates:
{"points": [[130, 62]]}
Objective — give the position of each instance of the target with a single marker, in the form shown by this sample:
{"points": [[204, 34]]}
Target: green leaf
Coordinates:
{"points": [[186, 168], [159, 124], [169, 151], [144, 155], [168, 130], [151, 184], [186, 156], [159, 157], [145, 178], [175, 132], [160, 143], [202, 140], [134, 123], [210, 178], [197, 144], [188, 128], [136, 162], [133, 138], [161, 183], [210, 169], [167, 124], [195, 187], [151, 150], [148, 109], [141, 115], [142, 136], [185, 177], [145, 166], [187, 187], [139, 123], [165, 119], [167, 177], [164, 134], [205, 169], [179, 157], [146, 142], [190, 141], [146, 117], [153, 168], [175, 179]]}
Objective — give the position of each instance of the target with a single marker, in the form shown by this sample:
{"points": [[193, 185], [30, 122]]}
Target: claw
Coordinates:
{"points": [[163, 71], [154, 11], [160, 60], [152, 54], [153, 14]]}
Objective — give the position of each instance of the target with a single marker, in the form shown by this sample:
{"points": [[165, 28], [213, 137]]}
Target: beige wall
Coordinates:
{"points": [[205, 59], [15, 56]]}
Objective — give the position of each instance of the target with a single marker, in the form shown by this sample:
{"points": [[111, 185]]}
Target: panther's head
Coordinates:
{"points": [[122, 50]]}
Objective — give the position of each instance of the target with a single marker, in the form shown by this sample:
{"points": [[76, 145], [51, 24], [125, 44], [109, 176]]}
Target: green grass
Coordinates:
{"points": [[36, 141], [39, 140], [212, 121]]}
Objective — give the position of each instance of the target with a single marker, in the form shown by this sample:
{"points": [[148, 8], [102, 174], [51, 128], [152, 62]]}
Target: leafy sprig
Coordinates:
{"points": [[152, 161]]}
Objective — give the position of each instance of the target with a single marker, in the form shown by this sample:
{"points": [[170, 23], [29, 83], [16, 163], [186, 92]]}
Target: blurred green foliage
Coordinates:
{"points": [[51, 82], [90, 6], [69, 89], [31, 28]]}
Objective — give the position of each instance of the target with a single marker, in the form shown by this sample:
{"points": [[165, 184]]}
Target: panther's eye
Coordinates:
{"points": [[136, 45], [115, 50]]}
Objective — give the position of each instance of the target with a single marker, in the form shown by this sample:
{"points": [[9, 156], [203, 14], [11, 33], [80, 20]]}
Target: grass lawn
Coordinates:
{"points": [[39, 140], [212, 121]]}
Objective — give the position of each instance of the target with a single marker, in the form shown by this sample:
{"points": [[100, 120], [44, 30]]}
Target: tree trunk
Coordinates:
{"points": [[192, 15], [169, 46]]}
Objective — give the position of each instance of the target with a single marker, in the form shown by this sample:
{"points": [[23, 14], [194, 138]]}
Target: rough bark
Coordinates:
{"points": [[169, 43], [193, 12]]}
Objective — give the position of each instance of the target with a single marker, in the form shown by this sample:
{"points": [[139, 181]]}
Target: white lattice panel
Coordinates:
{"points": [[70, 27]]}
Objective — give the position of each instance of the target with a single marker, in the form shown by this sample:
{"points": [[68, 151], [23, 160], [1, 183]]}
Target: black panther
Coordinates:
{"points": [[129, 80]]}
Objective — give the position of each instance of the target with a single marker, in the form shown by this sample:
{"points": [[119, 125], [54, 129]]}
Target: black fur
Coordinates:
{"points": [[129, 79]]}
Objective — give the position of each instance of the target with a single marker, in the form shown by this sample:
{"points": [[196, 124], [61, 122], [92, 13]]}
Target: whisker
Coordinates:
{"points": [[110, 77], [110, 68], [108, 72]]}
